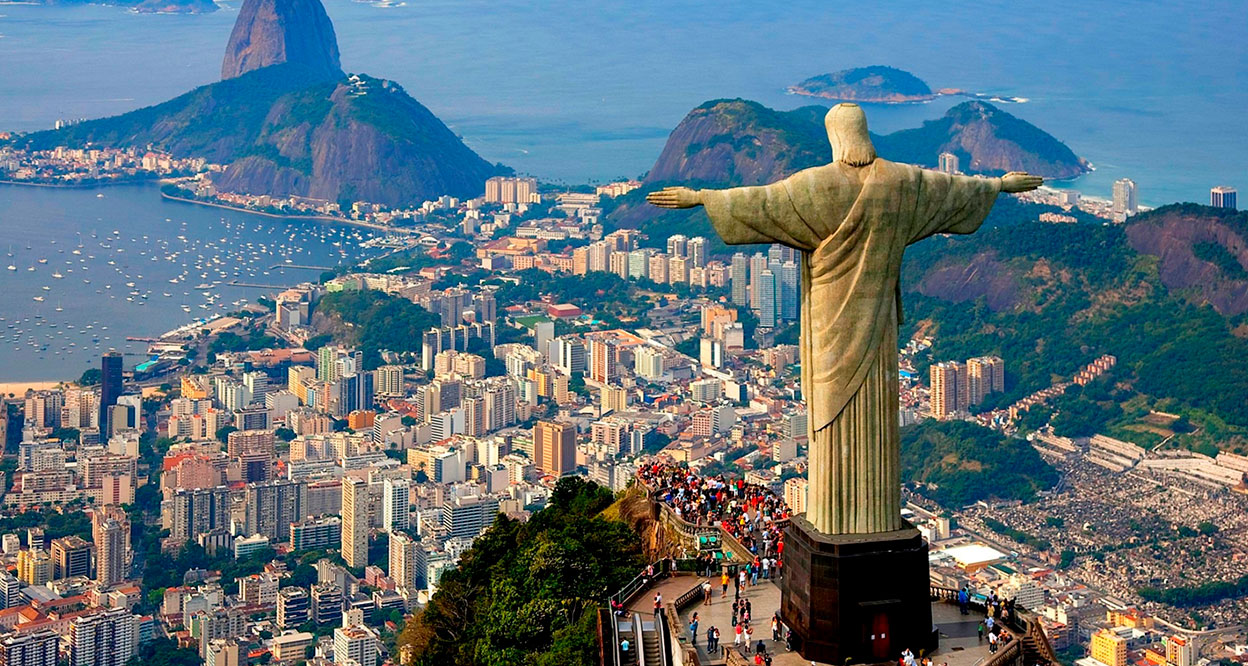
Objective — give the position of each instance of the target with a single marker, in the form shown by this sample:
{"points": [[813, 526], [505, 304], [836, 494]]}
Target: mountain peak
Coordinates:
{"points": [[273, 32]]}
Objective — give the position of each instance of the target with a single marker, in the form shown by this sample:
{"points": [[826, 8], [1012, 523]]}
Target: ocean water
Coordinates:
{"points": [[133, 265], [584, 91]]}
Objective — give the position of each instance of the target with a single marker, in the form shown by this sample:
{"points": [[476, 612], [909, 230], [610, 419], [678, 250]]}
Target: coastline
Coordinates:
{"points": [[80, 186], [20, 388], [317, 218]]}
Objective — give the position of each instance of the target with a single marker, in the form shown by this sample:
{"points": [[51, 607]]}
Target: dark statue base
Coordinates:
{"points": [[856, 598]]}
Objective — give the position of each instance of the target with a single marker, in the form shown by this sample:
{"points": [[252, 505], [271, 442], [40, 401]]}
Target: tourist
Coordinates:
{"points": [[693, 629], [992, 642], [761, 648], [624, 648], [980, 631], [963, 599], [658, 602], [736, 641], [716, 640], [706, 593], [710, 640], [775, 627], [907, 657], [723, 580]]}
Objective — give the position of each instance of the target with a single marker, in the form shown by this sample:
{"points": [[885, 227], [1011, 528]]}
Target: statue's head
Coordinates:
{"points": [[847, 131]]}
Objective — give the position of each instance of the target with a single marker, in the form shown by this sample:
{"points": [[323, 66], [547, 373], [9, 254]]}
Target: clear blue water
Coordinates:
{"points": [[116, 256], [577, 91]]}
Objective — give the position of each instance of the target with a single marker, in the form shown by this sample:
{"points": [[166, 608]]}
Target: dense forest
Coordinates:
{"points": [[526, 592], [959, 463]]}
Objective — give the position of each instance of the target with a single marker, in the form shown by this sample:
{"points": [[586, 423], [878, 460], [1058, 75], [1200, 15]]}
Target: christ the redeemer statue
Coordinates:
{"points": [[852, 220]]}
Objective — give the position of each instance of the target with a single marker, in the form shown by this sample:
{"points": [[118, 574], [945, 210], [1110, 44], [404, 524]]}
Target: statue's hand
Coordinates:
{"points": [[1020, 181], [675, 197]]}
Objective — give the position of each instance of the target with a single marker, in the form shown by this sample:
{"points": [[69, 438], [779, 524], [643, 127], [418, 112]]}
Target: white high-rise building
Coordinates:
{"points": [[106, 638], [948, 163], [355, 645], [396, 505], [32, 648], [1125, 202]]}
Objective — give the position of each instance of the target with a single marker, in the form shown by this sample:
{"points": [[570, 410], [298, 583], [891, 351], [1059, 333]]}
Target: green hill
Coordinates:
{"points": [[526, 592], [961, 463], [1050, 298]]}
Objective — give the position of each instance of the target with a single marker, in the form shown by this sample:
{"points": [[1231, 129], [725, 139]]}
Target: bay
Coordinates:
{"points": [[134, 265]]}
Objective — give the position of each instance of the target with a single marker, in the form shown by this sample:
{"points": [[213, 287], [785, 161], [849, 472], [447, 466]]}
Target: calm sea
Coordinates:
{"points": [[585, 91], [91, 267]]}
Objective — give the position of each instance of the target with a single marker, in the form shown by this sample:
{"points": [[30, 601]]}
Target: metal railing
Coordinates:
{"points": [[1024, 629]]}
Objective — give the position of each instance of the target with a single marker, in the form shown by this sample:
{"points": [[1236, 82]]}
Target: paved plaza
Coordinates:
{"points": [[959, 645]]}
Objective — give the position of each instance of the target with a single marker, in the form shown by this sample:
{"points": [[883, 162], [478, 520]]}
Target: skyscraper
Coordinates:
{"points": [[110, 528], [554, 443], [110, 387], [603, 360], [985, 375], [697, 251], [396, 503], [355, 522], [788, 283], [949, 383], [768, 303], [404, 556], [677, 245], [1125, 204], [71, 556], [1222, 197], [740, 279], [273, 505], [758, 264]]}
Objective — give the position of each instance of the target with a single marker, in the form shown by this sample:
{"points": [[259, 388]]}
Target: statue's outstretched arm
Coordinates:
{"points": [[675, 197]]}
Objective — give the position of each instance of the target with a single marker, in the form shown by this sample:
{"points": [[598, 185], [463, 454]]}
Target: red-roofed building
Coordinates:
{"points": [[563, 310]]}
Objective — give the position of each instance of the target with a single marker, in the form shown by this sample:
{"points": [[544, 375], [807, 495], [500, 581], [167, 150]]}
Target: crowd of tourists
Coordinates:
{"points": [[749, 512]]}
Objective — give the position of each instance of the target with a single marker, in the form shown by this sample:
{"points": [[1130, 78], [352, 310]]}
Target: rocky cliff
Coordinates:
{"points": [[361, 139], [274, 32], [986, 140], [1202, 253]]}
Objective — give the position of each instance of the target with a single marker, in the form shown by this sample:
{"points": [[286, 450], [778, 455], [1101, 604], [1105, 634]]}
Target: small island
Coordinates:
{"points": [[877, 84], [880, 84]]}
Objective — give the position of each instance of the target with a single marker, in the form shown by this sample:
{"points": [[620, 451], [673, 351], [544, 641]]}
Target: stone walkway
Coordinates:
{"points": [[959, 645]]}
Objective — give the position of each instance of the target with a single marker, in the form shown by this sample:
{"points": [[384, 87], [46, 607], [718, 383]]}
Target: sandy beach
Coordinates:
{"points": [[19, 388]]}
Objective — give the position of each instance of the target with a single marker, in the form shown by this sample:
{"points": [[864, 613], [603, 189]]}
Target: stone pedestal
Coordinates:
{"points": [[856, 598]]}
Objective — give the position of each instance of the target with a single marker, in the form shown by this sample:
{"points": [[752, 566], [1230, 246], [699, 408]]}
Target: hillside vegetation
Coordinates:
{"points": [[526, 592], [961, 463]]}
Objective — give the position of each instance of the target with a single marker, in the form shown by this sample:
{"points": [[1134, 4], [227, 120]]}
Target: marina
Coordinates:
{"points": [[113, 271]]}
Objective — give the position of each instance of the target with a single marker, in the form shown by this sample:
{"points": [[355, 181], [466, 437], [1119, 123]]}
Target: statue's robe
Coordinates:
{"points": [[852, 225]]}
